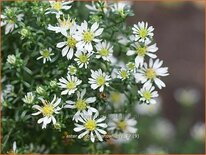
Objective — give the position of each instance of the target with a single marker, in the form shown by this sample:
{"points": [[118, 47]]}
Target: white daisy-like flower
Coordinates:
{"points": [[142, 50], [142, 32], [131, 66], [198, 132], [58, 6], [82, 58], [120, 8], [85, 36], [47, 110], [99, 79], [123, 74], [118, 123], [98, 7], [81, 104], [70, 84], [9, 23], [151, 73], [46, 55], [148, 94], [70, 44], [72, 70], [63, 26], [29, 98], [117, 99], [91, 125], [104, 50]]}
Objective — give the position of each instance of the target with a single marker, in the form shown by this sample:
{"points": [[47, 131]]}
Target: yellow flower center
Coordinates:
{"points": [[81, 105], [45, 53], [147, 95], [71, 85], [131, 66], [83, 58], [71, 42], [90, 125], [72, 70], [88, 36], [141, 51], [100, 80], [150, 73], [122, 125], [47, 110], [123, 74], [115, 97], [104, 52], [143, 33], [57, 6]]}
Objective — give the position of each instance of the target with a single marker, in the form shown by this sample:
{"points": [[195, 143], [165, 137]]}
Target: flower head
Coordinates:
{"points": [[98, 7], [104, 50], [151, 73], [82, 58], [142, 50], [72, 70], [29, 98], [48, 110], [11, 59], [148, 94], [123, 74], [99, 79], [142, 32], [81, 104], [46, 55], [91, 125], [70, 84], [85, 36]]}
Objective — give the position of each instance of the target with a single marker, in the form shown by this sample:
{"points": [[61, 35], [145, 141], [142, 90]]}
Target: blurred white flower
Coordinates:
{"points": [[154, 150], [91, 125], [187, 96], [152, 73], [47, 110], [117, 99], [29, 98], [120, 8], [142, 32], [58, 6], [198, 132], [11, 59], [100, 6], [72, 70], [162, 129], [149, 110]]}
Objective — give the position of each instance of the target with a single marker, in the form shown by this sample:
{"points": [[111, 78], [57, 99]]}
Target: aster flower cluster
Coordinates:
{"points": [[90, 80]]}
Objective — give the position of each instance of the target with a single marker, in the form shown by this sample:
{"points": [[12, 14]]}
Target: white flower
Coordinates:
{"points": [[46, 55], [47, 110], [91, 126], [151, 73], [123, 74], [131, 66], [99, 79], [72, 70], [70, 84], [198, 132], [81, 104], [10, 24], [148, 94], [14, 148], [70, 44], [85, 36], [142, 32], [29, 98], [149, 110], [63, 26], [57, 7], [82, 58], [95, 7], [104, 51], [120, 8], [119, 123], [11, 59], [141, 50], [117, 99]]}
